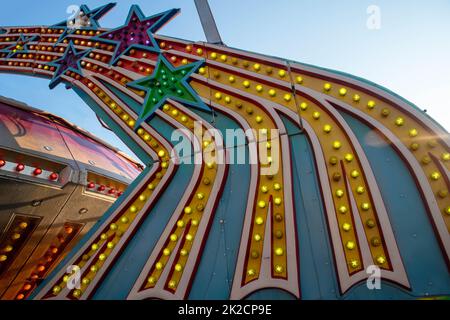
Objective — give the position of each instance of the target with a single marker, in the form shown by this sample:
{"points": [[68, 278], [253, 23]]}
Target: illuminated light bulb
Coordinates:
{"points": [[16, 236], [94, 268], [251, 272], [166, 251], [227, 99], [189, 237], [327, 128], [385, 112], [399, 121], [348, 157], [20, 167], [202, 71], [2, 163], [346, 226], [277, 201], [147, 137], [303, 106], [188, 210], [268, 145], [445, 156], [151, 186], [159, 266], [277, 186], [184, 119], [375, 241], [173, 237], [110, 245], [178, 267], [333, 160], [263, 131], [354, 174], [272, 93], [124, 220], [264, 189], [259, 88], [337, 145], [37, 171], [194, 222], [259, 220], [339, 193], [342, 92], [142, 197], [259, 119], [8, 248], [254, 254], [279, 269], [56, 289], [151, 280], [343, 209], [161, 153], [414, 146], [200, 195], [262, 204], [336, 176], [232, 79], [350, 245], [94, 246], [365, 206], [354, 264], [133, 209], [381, 260], [246, 83], [279, 251], [3, 257], [213, 55], [426, 160], [175, 112], [102, 257], [360, 189], [282, 73], [210, 165], [435, 175], [299, 79], [23, 225], [223, 57], [199, 51], [257, 66], [269, 159], [413, 132], [257, 237], [356, 98], [218, 96], [447, 210], [183, 252], [327, 87], [371, 104], [316, 115], [287, 97]]}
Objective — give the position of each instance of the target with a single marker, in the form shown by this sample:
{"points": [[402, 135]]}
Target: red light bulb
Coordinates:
{"points": [[101, 188], [111, 191], [91, 185], [2, 163], [37, 171], [53, 176], [20, 167]]}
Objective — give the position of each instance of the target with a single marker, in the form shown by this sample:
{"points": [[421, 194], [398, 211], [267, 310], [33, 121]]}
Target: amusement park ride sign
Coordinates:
{"points": [[168, 228]]}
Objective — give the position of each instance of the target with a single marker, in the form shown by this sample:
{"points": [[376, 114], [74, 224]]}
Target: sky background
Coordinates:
{"points": [[409, 54]]}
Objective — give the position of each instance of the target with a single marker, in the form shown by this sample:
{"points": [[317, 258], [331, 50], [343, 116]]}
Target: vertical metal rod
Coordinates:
{"points": [[208, 22]]}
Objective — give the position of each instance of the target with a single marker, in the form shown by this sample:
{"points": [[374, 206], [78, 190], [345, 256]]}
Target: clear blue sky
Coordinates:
{"points": [[410, 54]]}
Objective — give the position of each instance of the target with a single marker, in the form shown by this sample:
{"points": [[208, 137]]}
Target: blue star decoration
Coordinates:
{"points": [[137, 32], [21, 46], [70, 61], [167, 82], [89, 20]]}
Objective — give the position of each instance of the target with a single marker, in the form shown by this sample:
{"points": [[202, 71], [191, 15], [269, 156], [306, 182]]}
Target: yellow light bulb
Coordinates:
{"points": [[251, 272], [413, 132], [299, 80], [277, 186], [218, 95], [173, 237], [342, 209], [180, 223], [337, 145], [279, 251], [214, 55], [445, 156], [178, 267], [282, 73], [360, 189], [350, 245], [257, 66], [354, 264], [279, 269], [316, 115], [356, 98], [262, 204], [381, 260], [371, 104], [264, 189], [346, 226], [339, 193], [435, 175], [159, 266], [303, 106], [354, 174], [246, 84], [287, 97], [327, 87], [259, 220], [348, 157], [166, 251], [365, 206], [257, 237], [342, 92], [272, 92], [188, 210], [327, 128], [277, 201], [232, 79]]}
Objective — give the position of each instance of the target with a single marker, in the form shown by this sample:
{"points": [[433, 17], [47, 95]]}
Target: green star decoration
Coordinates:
{"points": [[167, 82]]}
